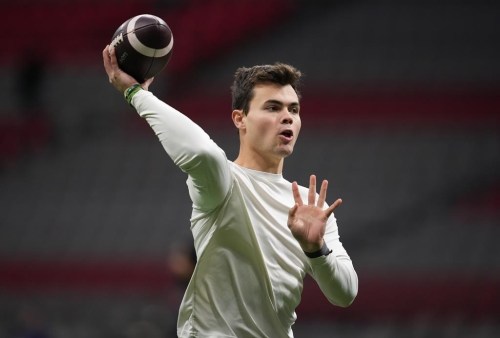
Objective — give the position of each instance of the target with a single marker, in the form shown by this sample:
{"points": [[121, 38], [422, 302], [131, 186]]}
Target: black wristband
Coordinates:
{"points": [[324, 251]]}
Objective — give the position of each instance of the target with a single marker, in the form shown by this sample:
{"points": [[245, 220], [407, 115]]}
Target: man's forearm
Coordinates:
{"points": [[336, 278]]}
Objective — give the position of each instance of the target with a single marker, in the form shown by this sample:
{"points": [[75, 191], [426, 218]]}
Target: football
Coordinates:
{"points": [[143, 46]]}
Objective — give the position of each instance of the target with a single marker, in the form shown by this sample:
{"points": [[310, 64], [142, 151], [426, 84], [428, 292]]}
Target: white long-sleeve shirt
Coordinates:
{"points": [[249, 276]]}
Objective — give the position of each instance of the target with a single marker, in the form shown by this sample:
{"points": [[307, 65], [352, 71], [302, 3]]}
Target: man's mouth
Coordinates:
{"points": [[287, 134]]}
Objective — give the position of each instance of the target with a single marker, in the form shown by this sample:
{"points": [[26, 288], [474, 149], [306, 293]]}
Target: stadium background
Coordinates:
{"points": [[401, 112]]}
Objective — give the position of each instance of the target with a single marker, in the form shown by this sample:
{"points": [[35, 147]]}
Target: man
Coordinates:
{"points": [[256, 234]]}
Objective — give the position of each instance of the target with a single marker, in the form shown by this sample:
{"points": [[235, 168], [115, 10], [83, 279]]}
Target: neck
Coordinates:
{"points": [[260, 163]]}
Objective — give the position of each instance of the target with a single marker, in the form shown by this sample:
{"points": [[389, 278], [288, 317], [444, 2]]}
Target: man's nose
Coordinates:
{"points": [[286, 117]]}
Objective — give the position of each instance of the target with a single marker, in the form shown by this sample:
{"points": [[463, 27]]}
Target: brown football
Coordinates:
{"points": [[143, 46]]}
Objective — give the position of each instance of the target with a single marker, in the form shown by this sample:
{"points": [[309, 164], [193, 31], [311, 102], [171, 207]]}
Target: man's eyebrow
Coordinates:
{"points": [[281, 102], [274, 102]]}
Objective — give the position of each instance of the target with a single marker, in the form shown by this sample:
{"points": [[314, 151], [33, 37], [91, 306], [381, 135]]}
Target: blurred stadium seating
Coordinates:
{"points": [[401, 112]]}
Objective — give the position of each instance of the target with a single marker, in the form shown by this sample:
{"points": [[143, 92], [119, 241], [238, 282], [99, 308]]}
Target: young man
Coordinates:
{"points": [[256, 234]]}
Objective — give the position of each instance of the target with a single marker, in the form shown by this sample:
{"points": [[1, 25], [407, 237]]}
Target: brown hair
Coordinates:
{"points": [[245, 80]]}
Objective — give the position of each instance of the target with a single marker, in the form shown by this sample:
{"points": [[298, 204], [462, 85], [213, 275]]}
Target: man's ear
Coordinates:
{"points": [[238, 118]]}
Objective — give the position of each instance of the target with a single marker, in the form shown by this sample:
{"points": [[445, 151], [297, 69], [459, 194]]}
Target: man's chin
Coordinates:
{"points": [[285, 151]]}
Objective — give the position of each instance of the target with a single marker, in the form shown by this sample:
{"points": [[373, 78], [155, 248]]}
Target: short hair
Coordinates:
{"points": [[245, 79]]}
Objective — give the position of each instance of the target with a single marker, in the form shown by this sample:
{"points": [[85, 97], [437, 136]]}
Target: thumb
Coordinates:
{"points": [[332, 207], [147, 83], [291, 213]]}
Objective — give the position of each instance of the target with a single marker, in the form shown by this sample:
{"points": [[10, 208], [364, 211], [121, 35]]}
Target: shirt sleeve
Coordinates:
{"points": [[190, 148], [335, 273]]}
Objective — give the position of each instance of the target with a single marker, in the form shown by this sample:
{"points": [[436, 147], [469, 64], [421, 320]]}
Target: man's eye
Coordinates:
{"points": [[272, 108], [294, 110]]}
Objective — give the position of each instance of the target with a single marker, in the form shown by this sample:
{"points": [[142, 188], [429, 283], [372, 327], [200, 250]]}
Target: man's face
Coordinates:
{"points": [[272, 124]]}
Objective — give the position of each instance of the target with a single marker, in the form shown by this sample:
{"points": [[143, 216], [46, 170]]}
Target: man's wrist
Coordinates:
{"points": [[324, 251], [129, 93]]}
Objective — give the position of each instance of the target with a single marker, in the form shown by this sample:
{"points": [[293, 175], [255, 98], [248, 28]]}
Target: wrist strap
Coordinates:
{"points": [[324, 251], [130, 92]]}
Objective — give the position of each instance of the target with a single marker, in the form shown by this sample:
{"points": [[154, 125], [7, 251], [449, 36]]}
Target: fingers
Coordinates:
{"points": [[105, 52], [322, 193], [110, 65], [106, 59], [109, 58], [311, 197], [332, 207], [112, 57], [296, 194]]}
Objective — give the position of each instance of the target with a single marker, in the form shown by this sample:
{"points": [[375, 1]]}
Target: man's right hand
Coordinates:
{"points": [[117, 77]]}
